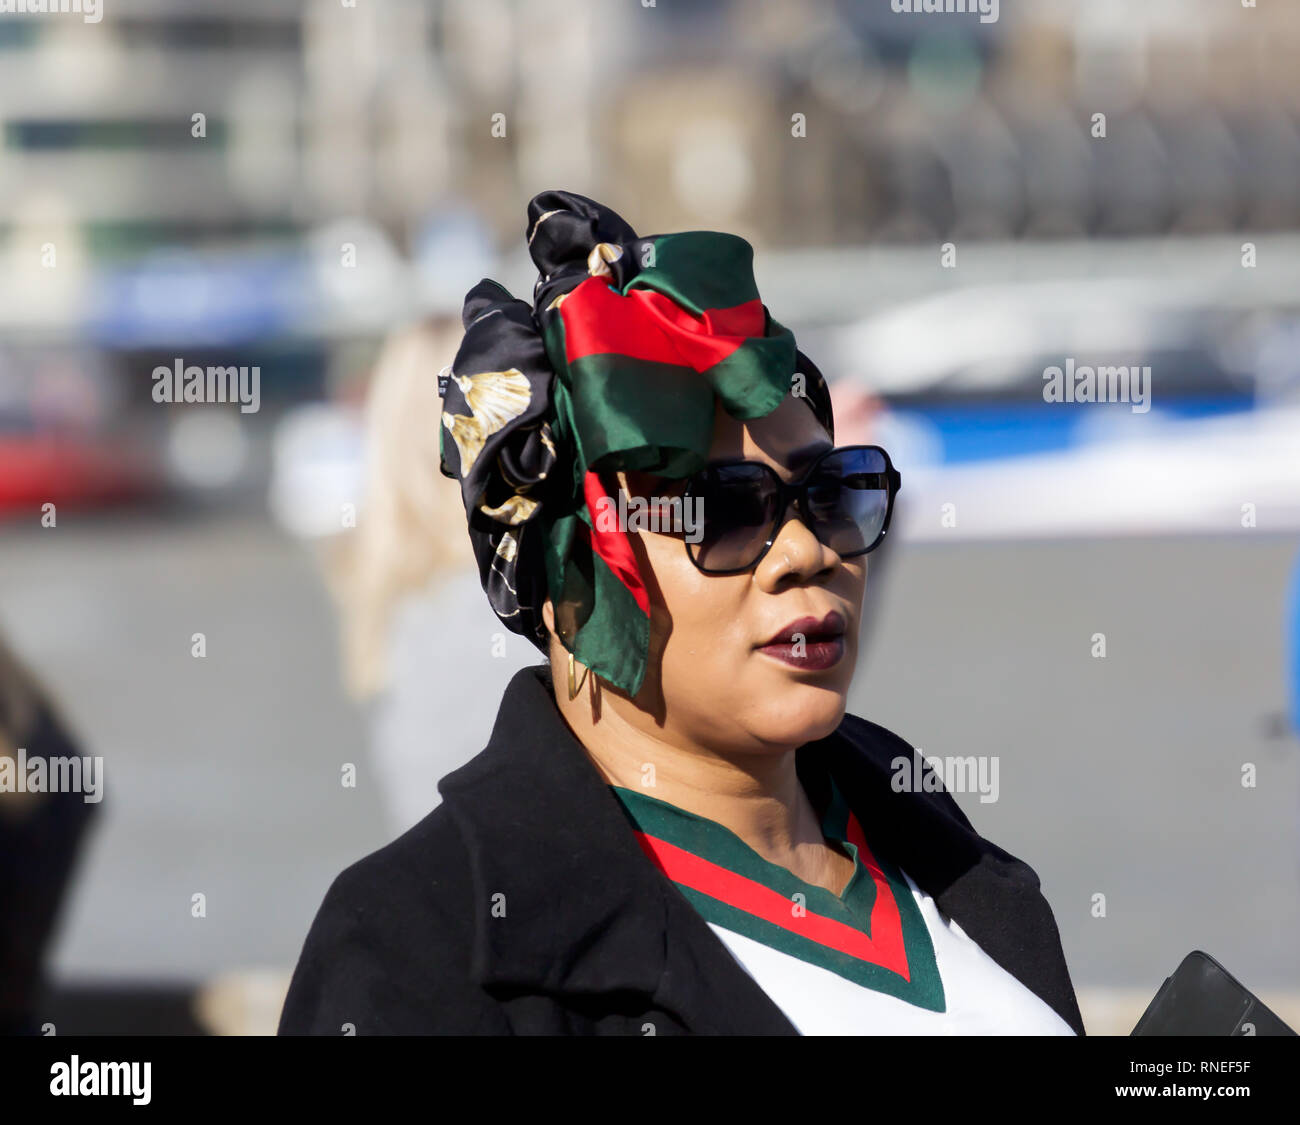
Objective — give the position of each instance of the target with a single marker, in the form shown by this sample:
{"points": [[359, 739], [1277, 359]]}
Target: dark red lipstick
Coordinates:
{"points": [[811, 643]]}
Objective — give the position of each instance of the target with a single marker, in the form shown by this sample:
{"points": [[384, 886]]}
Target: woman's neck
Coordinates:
{"points": [[757, 795]]}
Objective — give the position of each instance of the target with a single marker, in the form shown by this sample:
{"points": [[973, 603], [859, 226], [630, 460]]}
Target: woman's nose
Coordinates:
{"points": [[796, 553]]}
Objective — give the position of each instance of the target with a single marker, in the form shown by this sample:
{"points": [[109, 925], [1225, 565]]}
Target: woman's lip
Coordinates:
{"points": [[813, 656], [810, 629]]}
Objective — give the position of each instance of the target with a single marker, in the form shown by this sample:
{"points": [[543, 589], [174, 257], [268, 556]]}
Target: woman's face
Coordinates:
{"points": [[714, 680]]}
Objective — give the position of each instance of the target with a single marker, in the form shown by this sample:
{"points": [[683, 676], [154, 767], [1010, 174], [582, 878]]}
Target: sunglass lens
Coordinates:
{"points": [[737, 512], [848, 500]]}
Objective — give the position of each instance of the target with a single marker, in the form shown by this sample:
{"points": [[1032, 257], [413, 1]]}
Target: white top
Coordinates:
{"points": [[981, 998]]}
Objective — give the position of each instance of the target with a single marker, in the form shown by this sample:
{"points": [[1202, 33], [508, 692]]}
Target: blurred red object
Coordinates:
{"points": [[39, 469]]}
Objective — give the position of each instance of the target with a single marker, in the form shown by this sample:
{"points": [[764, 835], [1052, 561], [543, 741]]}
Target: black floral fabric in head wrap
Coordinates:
{"points": [[630, 345]]}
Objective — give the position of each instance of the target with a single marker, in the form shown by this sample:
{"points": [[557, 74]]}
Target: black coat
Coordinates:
{"points": [[524, 905]]}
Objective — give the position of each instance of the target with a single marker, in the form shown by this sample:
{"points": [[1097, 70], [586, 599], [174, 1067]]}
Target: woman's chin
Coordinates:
{"points": [[802, 714]]}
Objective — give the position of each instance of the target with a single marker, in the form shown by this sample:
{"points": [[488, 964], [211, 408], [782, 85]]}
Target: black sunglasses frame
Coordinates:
{"points": [[797, 492]]}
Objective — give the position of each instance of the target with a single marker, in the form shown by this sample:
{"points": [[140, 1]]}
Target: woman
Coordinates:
{"points": [[674, 826]]}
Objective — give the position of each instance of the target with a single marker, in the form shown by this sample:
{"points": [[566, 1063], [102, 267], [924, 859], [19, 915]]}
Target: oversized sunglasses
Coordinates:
{"points": [[845, 498]]}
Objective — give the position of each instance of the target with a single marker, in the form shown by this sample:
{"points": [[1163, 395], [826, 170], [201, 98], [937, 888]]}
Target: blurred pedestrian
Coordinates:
{"points": [[420, 645], [40, 835]]}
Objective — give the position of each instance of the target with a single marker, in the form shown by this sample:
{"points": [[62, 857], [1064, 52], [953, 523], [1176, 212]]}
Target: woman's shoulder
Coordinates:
{"points": [[389, 949], [412, 877]]}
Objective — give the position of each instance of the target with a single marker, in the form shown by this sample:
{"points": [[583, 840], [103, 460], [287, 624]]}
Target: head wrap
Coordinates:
{"points": [[617, 365]]}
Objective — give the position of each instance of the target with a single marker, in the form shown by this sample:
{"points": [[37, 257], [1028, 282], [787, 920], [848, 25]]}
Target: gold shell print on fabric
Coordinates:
{"points": [[495, 398], [545, 434], [601, 255], [540, 220], [508, 547], [517, 509]]}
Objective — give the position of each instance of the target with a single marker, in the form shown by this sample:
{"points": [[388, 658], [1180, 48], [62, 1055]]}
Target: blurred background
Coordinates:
{"points": [[941, 208]]}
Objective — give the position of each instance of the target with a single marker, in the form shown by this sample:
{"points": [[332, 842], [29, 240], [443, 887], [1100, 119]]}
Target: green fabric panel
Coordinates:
{"points": [[632, 413], [701, 270], [616, 635], [753, 379]]}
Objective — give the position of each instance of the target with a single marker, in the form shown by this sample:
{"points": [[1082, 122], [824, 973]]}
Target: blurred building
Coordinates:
{"points": [[914, 125], [280, 182]]}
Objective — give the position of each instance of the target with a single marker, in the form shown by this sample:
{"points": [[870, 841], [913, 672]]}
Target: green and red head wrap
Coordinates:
{"points": [[628, 348]]}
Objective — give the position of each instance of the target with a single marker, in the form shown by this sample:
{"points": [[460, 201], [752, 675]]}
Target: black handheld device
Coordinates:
{"points": [[1203, 998]]}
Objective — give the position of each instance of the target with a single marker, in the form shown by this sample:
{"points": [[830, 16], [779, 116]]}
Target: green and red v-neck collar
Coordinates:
{"points": [[873, 934]]}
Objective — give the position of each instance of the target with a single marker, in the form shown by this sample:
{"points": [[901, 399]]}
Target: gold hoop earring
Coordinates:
{"points": [[573, 691]]}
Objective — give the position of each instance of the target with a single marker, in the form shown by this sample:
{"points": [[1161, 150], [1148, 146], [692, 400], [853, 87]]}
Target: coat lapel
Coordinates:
{"points": [[567, 903]]}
